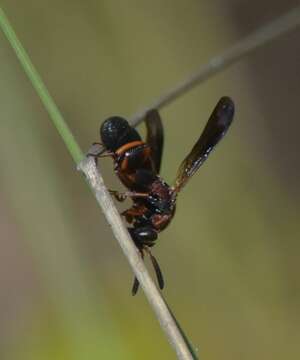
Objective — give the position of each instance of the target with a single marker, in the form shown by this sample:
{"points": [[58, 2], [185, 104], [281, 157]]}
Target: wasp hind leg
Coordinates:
{"points": [[136, 284], [144, 238]]}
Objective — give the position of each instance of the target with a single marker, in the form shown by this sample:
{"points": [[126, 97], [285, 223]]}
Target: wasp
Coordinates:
{"points": [[137, 163]]}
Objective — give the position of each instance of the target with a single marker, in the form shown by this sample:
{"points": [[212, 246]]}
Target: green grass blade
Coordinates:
{"points": [[41, 90]]}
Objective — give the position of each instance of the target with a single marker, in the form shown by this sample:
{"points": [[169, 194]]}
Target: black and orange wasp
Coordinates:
{"points": [[137, 164]]}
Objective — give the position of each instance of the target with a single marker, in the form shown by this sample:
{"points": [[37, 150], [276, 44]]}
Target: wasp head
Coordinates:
{"points": [[116, 131]]}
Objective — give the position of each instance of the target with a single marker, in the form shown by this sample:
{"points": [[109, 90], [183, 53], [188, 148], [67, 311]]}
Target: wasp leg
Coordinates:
{"points": [[136, 283], [122, 196], [135, 286], [100, 154], [144, 237], [97, 150], [158, 272], [133, 212]]}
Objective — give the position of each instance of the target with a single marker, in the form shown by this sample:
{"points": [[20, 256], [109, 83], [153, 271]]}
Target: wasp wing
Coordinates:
{"points": [[155, 137], [213, 132]]}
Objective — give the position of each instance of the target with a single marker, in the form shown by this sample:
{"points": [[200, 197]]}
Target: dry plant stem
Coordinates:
{"points": [[95, 180], [167, 321], [276, 28]]}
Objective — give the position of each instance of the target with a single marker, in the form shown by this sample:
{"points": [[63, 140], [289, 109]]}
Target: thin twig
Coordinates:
{"points": [[274, 29], [166, 319]]}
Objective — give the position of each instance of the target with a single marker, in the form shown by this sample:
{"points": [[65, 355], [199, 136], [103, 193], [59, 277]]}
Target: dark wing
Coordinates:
{"points": [[155, 136], [213, 132]]}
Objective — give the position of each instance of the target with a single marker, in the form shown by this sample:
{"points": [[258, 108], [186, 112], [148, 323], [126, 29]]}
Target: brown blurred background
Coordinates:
{"points": [[231, 255]]}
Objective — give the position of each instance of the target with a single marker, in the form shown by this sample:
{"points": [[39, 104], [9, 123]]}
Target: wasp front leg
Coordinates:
{"points": [[97, 151]]}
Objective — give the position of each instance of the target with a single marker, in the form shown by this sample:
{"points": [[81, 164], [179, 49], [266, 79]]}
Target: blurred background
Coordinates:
{"points": [[230, 257]]}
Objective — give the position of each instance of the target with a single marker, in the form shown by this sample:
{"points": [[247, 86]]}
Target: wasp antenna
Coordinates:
{"points": [[157, 269]]}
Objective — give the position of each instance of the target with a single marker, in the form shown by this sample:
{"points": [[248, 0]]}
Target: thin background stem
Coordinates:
{"points": [[218, 63], [273, 30]]}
